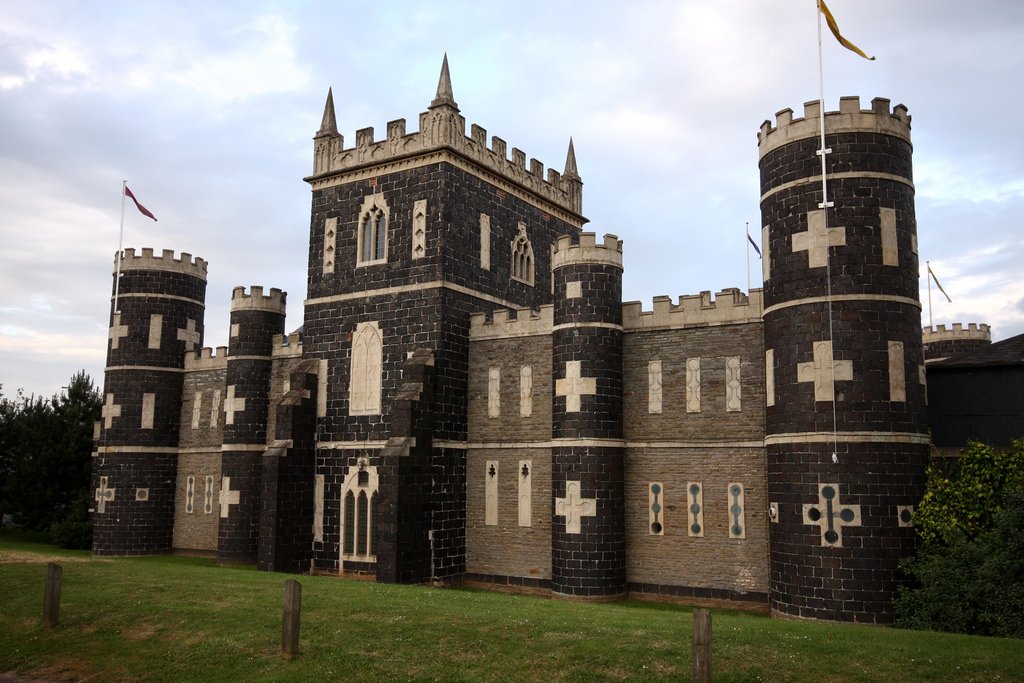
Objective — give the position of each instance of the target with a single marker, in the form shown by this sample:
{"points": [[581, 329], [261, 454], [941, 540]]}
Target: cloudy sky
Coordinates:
{"points": [[208, 109]]}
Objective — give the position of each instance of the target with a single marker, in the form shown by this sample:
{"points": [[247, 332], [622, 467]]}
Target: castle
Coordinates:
{"points": [[470, 401]]}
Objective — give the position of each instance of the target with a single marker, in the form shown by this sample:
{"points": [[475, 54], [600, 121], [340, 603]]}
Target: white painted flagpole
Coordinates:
{"points": [[747, 242], [824, 206], [117, 257], [928, 277]]}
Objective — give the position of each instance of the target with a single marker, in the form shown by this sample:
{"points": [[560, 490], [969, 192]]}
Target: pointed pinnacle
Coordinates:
{"points": [[570, 163], [444, 93], [328, 125]]}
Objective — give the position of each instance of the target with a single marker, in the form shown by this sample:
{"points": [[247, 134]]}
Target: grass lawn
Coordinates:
{"points": [[175, 618]]}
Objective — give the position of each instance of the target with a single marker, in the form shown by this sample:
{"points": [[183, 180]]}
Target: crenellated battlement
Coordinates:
{"points": [[849, 119], [442, 128], [166, 261], [206, 358], [728, 307], [957, 331], [526, 323], [587, 251], [275, 302], [288, 346]]}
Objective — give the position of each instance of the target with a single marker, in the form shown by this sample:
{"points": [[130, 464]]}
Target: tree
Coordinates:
{"points": [[45, 449]]}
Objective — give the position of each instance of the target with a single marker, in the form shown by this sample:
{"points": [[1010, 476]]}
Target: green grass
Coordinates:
{"points": [[176, 618]]}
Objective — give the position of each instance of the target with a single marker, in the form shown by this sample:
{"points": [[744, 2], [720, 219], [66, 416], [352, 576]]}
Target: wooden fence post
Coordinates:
{"points": [[51, 595], [701, 672], [291, 618]]}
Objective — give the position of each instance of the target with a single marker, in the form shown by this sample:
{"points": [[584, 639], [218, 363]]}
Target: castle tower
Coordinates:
{"points": [[588, 539], [941, 343], [255, 319], [157, 317], [841, 523], [410, 234]]}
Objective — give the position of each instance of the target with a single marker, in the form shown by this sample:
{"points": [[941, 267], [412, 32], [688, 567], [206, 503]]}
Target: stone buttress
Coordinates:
{"points": [[846, 433], [255, 319], [588, 548], [156, 318]]}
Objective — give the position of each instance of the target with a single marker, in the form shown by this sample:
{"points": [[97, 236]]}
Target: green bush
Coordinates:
{"points": [[968, 575], [75, 530], [974, 586]]}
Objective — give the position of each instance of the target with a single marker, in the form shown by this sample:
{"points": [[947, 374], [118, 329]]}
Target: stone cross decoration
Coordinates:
{"points": [[103, 496], [227, 496], [117, 332], [189, 335], [574, 386], [824, 371], [814, 240], [830, 515], [574, 507], [110, 410], [232, 405]]}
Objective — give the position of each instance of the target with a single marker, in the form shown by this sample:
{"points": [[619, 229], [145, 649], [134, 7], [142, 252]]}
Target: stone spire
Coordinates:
{"points": [[328, 126], [444, 94], [570, 163]]}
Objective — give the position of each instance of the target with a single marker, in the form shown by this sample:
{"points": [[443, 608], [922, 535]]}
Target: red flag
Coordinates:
{"points": [[143, 210]]}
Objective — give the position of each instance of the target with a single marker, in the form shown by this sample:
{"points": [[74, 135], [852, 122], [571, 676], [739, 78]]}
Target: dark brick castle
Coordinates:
{"points": [[469, 400]]}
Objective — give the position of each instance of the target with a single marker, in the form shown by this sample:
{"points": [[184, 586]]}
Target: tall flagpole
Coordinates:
{"points": [[747, 242], [117, 257], [824, 206], [928, 277]]}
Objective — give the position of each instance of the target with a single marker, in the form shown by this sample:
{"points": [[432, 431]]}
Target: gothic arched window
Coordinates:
{"points": [[522, 257], [359, 497], [373, 231]]}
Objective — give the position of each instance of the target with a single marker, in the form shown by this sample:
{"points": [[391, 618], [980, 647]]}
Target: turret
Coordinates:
{"points": [[255, 319], [588, 549], [941, 342], [846, 432], [155, 319]]}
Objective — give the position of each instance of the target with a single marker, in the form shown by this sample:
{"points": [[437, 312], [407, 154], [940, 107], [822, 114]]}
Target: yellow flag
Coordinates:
{"points": [[834, 27]]}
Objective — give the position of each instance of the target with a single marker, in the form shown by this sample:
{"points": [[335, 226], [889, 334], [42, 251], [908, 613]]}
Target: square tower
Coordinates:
{"points": [[409, 236]]}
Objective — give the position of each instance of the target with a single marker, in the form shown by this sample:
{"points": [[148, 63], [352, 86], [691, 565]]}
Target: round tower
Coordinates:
{"points": [[941, 343], [846, 425], [156, 317], [588, 526], [255, 319]]}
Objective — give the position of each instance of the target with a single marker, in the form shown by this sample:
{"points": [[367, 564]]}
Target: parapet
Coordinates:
{"points": [[287, 346], [206, 359], [166, 261], [587, 251], [526, 323], [275, 302], [728, 307], [849, 119], [443, 128], [940, 333]]}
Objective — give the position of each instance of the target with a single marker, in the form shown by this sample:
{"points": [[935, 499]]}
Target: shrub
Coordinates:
{"points": [[75, 530]]}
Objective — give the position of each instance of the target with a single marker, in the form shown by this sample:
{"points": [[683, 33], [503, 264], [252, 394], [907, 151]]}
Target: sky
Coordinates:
{"points": [[208, 110]]}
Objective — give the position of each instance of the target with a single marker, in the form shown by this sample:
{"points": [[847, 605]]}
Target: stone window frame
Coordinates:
{"points": [[361, 483], [523, 261], [365, 367], [372, 231]]}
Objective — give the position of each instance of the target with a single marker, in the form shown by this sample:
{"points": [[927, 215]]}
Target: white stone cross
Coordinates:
{"points": [[117, 331], [189, 334], [232, 405], [103, 495], [227, 496], [574, 386], [824, 371], [830, 515], [109, 411], [813, 240], [574, 507]]}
